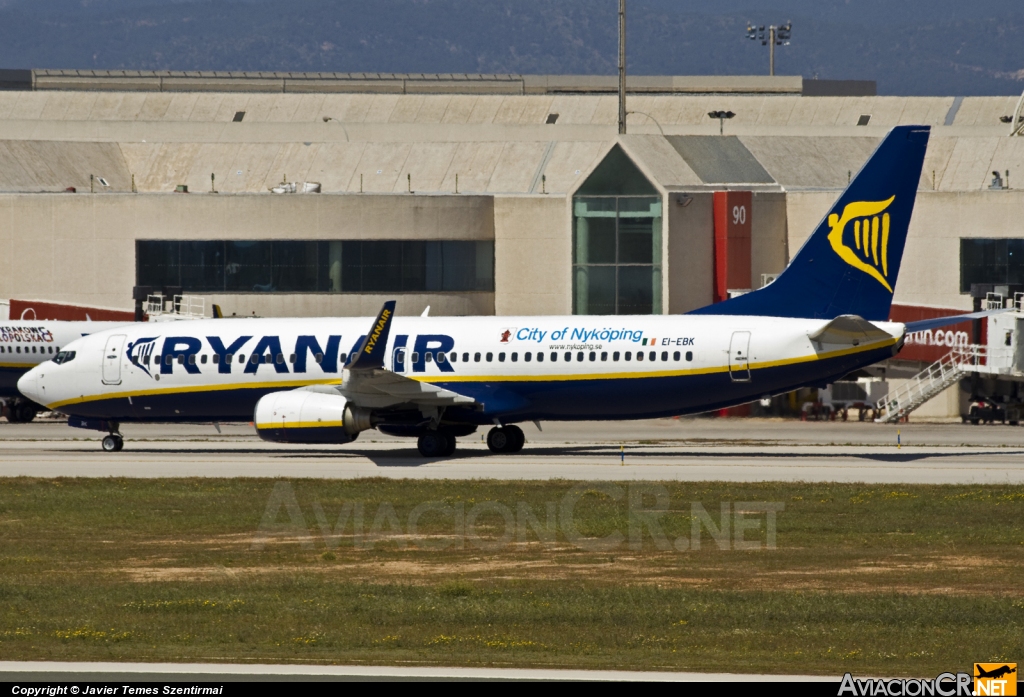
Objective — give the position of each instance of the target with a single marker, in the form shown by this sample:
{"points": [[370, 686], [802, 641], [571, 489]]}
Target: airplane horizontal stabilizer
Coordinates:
{"points": [[849, 330]]}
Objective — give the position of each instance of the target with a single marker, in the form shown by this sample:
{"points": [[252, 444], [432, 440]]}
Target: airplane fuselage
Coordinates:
{"points": [[515, 368]]}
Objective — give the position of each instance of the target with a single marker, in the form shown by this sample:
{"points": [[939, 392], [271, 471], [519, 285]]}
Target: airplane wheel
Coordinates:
{"points": [[498, 440], [26, 412], [21, 412], [433, 444], [506, 439], [518, 439], [113, 443], [450, 448]]}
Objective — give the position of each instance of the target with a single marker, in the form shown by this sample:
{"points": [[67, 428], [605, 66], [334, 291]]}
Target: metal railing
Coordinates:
{"points": [[996, 301], [930, 382], [181, 307]]}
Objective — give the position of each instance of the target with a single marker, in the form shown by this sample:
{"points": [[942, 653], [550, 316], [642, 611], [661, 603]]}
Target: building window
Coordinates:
{"points": [[998, 262], [617, 255], [295, 266]]}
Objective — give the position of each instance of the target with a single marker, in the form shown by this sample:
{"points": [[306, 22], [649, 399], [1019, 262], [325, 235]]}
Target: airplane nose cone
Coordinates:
{"points": [[28, 385]]}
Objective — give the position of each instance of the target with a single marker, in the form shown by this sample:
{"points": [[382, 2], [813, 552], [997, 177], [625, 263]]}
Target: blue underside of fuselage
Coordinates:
{"points": [[9, 381], [510, 401]]}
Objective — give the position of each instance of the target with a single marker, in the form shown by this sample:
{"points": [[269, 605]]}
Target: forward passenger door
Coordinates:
{"points": [[112, 359]]}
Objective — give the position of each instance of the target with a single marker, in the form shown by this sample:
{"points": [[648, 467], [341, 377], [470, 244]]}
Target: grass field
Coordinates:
{"points": [[911, 580]]}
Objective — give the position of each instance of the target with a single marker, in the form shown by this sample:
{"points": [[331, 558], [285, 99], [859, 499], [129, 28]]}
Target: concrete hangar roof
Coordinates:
{"points": [[497, 143]]}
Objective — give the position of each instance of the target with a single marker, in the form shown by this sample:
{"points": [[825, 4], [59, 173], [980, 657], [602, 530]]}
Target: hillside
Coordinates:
{"points": [[956, 48]]}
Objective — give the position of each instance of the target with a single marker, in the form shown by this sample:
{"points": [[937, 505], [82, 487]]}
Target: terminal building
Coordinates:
{"points": [[325, 194]]}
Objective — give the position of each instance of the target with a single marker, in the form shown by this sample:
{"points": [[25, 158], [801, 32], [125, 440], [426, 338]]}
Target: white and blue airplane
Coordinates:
{"points": [[440, 378]]}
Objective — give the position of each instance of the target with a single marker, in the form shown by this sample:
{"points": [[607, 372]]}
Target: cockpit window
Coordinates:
{"points": [[64, 357]]}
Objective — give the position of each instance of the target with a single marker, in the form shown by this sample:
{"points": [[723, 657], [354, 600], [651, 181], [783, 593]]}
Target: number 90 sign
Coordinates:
{"points": [[739, 215]]}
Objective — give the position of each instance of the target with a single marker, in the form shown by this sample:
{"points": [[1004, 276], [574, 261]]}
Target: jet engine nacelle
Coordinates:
{"points": [[300, 416]]}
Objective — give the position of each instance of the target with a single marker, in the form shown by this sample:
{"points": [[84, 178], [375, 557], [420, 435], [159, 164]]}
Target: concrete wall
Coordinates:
{"points": [[532, 255], [691, 252], [81, 248], [751, 110], [945, 405], [768, 235]]}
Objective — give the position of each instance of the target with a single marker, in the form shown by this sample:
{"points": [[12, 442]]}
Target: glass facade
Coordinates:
{"points": [[991, 261], [357, 266], [617, 255]]}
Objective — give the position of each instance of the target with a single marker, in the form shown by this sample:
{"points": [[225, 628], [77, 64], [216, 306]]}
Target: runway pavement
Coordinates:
{"points": [[669, 449], [207, 673]]}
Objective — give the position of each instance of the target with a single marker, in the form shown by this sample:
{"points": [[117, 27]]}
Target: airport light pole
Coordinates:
{"points": [[644, 113], [622, 66], [775, 36], [721, 116], [331, 119]]}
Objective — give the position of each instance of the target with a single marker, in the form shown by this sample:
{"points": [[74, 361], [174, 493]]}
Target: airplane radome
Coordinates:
{"points": [[439, 378]]}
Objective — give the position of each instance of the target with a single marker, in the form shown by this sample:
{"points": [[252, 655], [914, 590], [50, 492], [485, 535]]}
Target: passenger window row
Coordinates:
{"points": [[255, 359], [17, 349], [453, 356]]}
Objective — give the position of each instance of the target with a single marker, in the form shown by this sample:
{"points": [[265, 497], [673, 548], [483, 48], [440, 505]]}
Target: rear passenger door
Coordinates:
{"points": [[739, 357]]}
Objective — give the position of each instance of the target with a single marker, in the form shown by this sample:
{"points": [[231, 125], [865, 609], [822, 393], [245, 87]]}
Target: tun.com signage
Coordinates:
{"points": [[932, 344]]}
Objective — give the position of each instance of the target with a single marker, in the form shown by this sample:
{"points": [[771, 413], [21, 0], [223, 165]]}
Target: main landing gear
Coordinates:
{"points": [[21, 411], [505, 439], [500, 439], [436, 444]]}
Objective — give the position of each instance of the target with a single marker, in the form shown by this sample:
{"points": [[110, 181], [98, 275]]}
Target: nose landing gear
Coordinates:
{"points": [[505, 439], [113, 443]]}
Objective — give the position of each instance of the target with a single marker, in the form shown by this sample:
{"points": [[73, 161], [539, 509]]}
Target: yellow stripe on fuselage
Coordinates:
{"points": [[19, 366], [487, 378]]}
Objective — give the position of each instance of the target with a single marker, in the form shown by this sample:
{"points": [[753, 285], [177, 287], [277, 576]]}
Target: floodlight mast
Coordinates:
{"points": [[721, 116], [775, 36]]}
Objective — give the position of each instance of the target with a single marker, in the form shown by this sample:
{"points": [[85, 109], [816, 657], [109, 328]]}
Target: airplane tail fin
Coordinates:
{"points": [[849, 265]]}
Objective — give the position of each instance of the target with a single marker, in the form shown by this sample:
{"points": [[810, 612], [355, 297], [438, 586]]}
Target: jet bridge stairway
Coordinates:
{"points": [[958, 363]]}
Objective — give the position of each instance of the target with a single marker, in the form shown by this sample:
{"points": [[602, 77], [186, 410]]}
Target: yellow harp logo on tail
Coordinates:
{"points": [[870, 250]]}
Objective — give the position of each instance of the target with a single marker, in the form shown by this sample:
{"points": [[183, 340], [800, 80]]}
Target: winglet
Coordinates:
{"points": [[371, 352], [217, 312]]}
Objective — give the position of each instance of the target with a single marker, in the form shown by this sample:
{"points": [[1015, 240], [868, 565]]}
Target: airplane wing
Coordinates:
{"points": [[849, 330], [366, 382], [382, 388], [936, 322]]}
